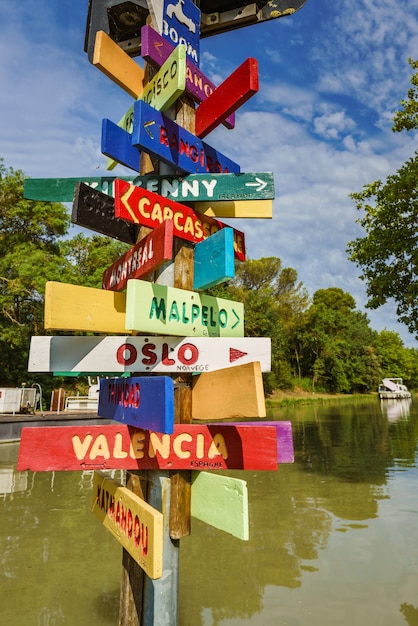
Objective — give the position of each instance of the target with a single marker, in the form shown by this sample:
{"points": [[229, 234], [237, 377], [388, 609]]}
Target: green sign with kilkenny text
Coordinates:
{"points": [[152, 308]]}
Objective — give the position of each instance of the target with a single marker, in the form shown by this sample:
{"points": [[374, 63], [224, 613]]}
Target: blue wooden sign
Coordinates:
{"points": [[157, 134], [117, 145], [181, 25], [144, 402], [214, 260]]}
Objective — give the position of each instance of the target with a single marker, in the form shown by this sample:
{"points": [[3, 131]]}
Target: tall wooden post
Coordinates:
{"points": [[147, 602]]}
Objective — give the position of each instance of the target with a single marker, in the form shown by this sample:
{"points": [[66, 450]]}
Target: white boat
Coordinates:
{"points": [[393, 389]]}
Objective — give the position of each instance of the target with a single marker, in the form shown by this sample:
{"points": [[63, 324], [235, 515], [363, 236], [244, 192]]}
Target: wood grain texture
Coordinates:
{"points": [[117, 65]]}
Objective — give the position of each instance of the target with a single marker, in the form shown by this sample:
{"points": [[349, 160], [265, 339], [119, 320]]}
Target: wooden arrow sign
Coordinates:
{"points": [[143, 258], [140, 206], [161, 137], [191, 446], [117, 65], [181, 22], [152, 308], [116, 144], [136, 525], [260, 209], [155, 50], [227, 98], [221, 502], [233, 392], [145, 354], [96, 211], [216, 190], [214, 261], [145, 402]]}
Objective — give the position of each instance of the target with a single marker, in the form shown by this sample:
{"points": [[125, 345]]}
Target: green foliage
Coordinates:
{"points": [[388, 253]]}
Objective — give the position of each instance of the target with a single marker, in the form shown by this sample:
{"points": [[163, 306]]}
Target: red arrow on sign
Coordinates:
{"points": [[234, 354]]}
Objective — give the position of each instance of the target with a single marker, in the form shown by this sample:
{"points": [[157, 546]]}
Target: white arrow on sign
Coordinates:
{"points": [[102, 354], [260, 184]]}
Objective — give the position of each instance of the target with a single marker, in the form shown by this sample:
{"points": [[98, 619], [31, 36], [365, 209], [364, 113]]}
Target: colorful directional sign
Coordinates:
{"points": [[214, 261], [233, 392], [96, 211], [117, 145], [155, 50], [103, 354], [152, 308], [239, 87], [221, 502], [140, 206], [207, 187], [145, 257], [141, 401], [118, 65], [285, 449], [181, 25], [136, 525], [236, 208], [71, 307], [157, 134], [191, 446]]}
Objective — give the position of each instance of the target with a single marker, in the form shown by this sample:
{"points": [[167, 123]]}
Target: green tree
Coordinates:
{"points": [[29, 256], [388, 254]]}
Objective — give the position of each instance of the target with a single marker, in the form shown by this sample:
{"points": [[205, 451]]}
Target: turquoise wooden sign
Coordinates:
{"points": [[214, 260]]}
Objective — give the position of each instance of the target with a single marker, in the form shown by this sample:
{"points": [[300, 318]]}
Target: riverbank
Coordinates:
{"points": [[298, 396]]}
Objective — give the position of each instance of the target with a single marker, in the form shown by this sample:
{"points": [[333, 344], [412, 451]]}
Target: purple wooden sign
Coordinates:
{"points": [[144, 402]]}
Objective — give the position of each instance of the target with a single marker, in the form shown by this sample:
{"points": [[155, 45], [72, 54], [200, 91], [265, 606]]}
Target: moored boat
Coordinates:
{"points": [[393, 389]]}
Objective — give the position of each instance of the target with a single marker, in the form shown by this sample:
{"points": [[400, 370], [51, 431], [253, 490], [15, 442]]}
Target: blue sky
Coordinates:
{"points": [[331, 77]]}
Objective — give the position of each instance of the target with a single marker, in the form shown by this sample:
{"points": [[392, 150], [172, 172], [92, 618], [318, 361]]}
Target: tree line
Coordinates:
{"points": [[321, 343]]}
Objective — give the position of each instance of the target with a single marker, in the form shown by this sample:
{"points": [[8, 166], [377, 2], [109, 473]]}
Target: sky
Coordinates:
{"points": [[331, 77]]}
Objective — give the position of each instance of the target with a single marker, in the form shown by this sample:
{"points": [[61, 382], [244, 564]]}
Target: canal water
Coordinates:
{"points": [[333, 537]]}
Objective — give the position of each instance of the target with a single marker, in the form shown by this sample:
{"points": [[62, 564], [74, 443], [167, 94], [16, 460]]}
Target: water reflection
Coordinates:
{"points": [[395, 410], [333, 538]]}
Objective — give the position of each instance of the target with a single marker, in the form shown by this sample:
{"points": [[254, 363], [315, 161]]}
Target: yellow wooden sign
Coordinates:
{"points": [[71, 307], [118, 65], [233, 392], [133, 522], [236, 208]]}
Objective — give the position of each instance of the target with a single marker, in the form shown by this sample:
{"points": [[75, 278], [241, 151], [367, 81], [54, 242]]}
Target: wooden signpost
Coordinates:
{"points": [[152, 308], [153, 438], [191, 446], [213, 188], [144, 354], [140, 206], [144, 402], [133, 522]]}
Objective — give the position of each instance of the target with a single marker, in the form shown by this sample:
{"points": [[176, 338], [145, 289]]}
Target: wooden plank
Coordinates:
{"points": [[197, 188], [233, 392], [71, 307], [116, 144], [167, 310], [115, 63], [155, 50], [136, 525], [96, 211], [237, 89], [237, 208], [214, 260], [190, 447], [166, 140], [141, 401], [181, 23], [146, 208], [144, 354], [222, 502], [156, 10], [162, 90], [285, 450], [143, 258]]}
